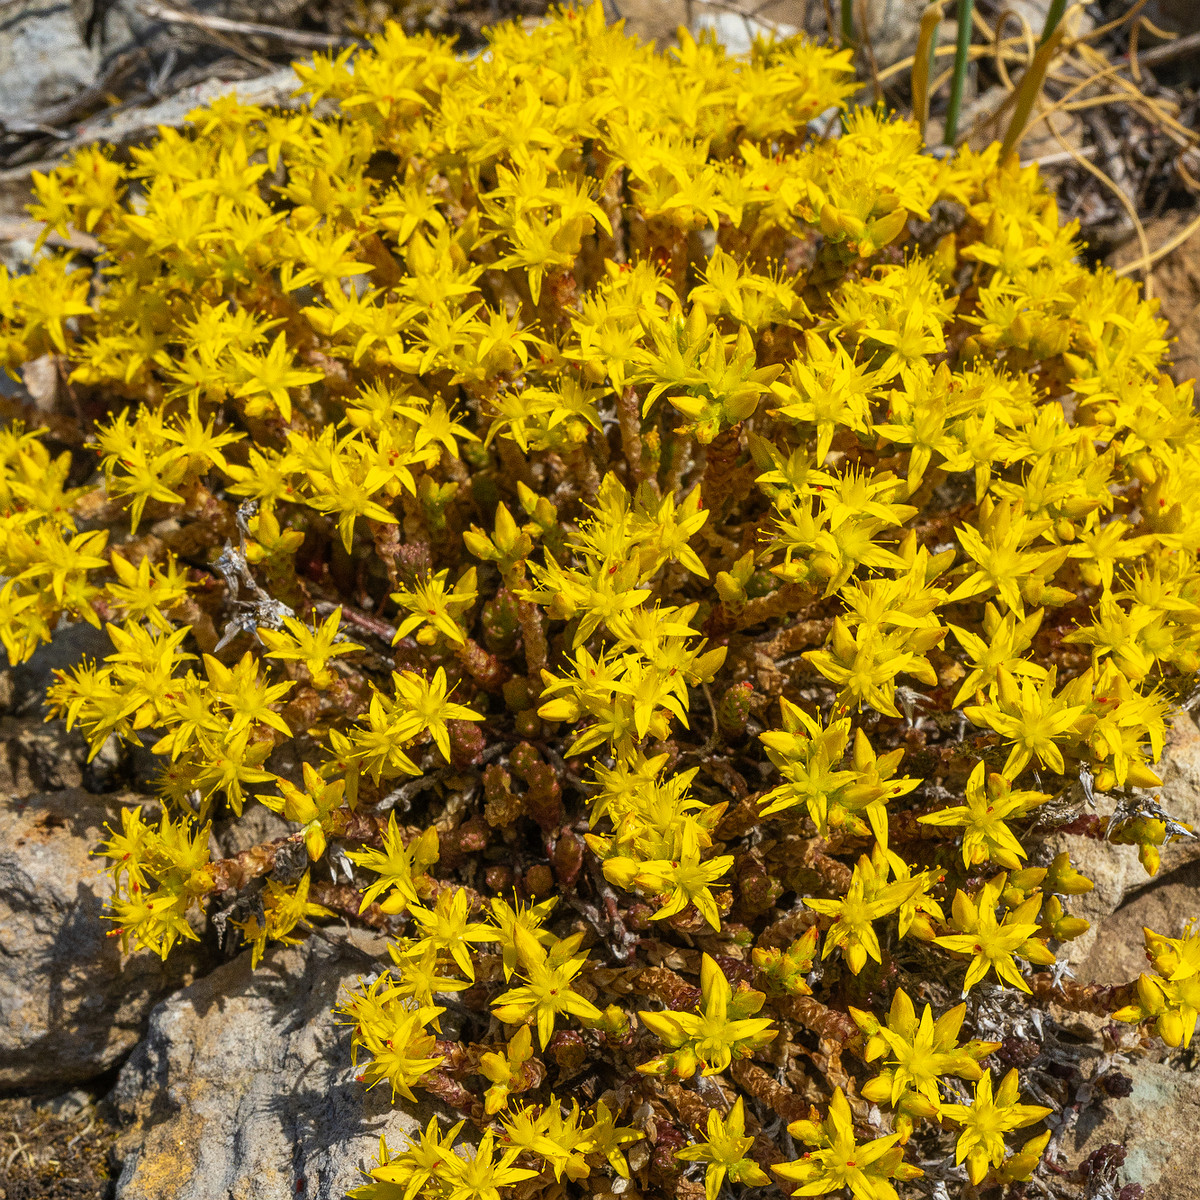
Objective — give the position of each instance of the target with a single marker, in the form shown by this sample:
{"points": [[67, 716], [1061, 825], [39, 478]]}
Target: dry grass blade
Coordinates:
{"points": [[1168, 53], [1172, 243], [224, 25], [1008, 47], [1126, 203], [922, 62], [1028, 90]]}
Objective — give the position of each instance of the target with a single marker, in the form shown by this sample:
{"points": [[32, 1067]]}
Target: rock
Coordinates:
{"points": [[1115, 870], [39, 757], [1126, 899], [69, 1007], [892, 28], [27, 682], [43, 59], [985, 119], [244, 1088], [654, 20], [1117, 953], [1033, 13], [737, 33], [1157, 1125], [257, 824], [891, 25], [1161, 1152], [67, 1105], [43, 382], [55, 55], [128, 125], [1179, 770]]}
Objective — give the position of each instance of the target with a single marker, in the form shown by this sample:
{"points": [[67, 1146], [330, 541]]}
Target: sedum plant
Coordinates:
{"points": [[670, 549]]}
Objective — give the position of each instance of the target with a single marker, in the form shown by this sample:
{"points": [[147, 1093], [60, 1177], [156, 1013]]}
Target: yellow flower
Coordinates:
{"points": [[546, 992], [838, 1160], [507, 1070], [313, 647], [432, 604], [607, 1138], [987, 1119], [992, 943], [725, 1151], [868, 898], [985, 835], [722, 1028], [920, 1053]]}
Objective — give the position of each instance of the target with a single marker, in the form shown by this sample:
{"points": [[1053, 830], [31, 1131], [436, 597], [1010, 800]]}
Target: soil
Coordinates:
{"points": [[54, 1151], [1177, 286]]}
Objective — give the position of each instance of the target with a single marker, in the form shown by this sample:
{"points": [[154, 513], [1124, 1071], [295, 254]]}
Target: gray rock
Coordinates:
{"points": [[43, 59], [243, 1087], [1117, 953], [39, 757], [654, 20], [129, 125], [26, 683], [133, 124], [68, 1105], [1033, 13], [257, 824], [61, 60], [1176, 16], [892, 28], [70, 1008], [1157, 1125], [1116, 870]]}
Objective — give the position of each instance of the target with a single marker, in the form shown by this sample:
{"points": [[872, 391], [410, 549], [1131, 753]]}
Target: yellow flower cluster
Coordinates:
{"points": [[665, 434]]}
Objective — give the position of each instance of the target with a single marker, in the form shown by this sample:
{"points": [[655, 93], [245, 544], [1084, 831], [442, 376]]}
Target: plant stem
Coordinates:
{"points": [[924, 62], [966, 10], [1053, 15], [847, 22], [1027, 92]]}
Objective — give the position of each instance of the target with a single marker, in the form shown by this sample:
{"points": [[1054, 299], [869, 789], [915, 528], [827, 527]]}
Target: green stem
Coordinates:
{"points": [[1053, 15], [847, 22], [966, 9]]}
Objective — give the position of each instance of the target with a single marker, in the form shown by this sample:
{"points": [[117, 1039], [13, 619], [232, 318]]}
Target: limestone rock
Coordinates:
{"points": [[256, 825], [1033, 14], [69, 1007], [1115, 870], [892, 28], [43, 59], [1157, 1124], [127, 126], [24, 686], [891, 25], [51, 54], [1117, 954], [39, 757], [244, 1088], [1177, 16], [654, 20]]}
